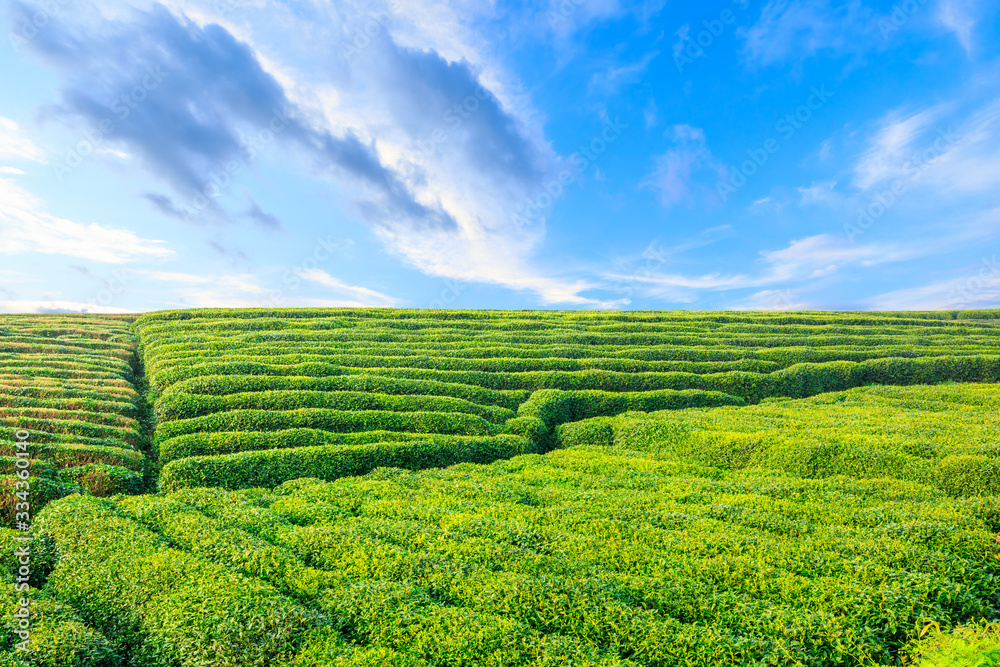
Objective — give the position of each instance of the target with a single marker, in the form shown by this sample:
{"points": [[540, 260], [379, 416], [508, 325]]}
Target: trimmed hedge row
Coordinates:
{"points": [[796, 381], [68, 453], [508, 364], [179, 405], [164, 606], [231, 442], [538, 417], [941, 436], [59, 637], [21, 414], [275, 466], [982, 314], [758, 360], [78, 430], [555, 407], [219, 385], [338, 421], [113, 389], [98, 479]]}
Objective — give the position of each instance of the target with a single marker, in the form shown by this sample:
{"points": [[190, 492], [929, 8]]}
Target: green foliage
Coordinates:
{"points": [[595, 556], [944, 435], [983, 314], [178, 405], [66, 382], [275, 466], [59, 637], [221, 385], [446, 488], [103, 480], [231, 442], [42, 492], [973, 645], [165, 606], [340, 421]]}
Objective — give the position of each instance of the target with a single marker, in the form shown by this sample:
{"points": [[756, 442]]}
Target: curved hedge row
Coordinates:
{"points": [[71, 454], [66, 383], [82, 430], [594, 557], [942, 436], [219, 385], [231, 442], [162, 605], [538, 417], [276, 466], [795, 381], [555, 407], [489, 365], [179, 405], [451, 423]]}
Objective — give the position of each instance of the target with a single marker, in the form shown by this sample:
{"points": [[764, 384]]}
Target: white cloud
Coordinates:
{"points": [[26, 227], [15, 143], [11, 170], [802, 261], [51, 306], [362, 295], [775, 300], [946, 152], [472, 172], [617, 76], [113, 151], [822, 194], [957, 17], [978, 288], [796, 29], [678, 170], [175, 277], [651, 114], [221, 291], [891, 147]]}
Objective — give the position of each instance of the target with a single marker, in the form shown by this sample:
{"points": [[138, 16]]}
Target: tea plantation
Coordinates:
{"points": [[481, 488], [67, 384]]}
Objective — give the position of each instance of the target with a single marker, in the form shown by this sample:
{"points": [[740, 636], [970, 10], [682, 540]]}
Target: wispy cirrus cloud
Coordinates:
{"points": [[796, 29], [676, 178], [959, 17], [26, 226], [951, 151], [55, 306], [803, 261], [15, 143], [359, 295]]}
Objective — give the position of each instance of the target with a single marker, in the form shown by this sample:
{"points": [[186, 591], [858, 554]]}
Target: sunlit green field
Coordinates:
{"points": [[451, 488]]}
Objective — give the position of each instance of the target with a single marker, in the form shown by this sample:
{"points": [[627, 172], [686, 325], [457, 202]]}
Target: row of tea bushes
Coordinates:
{"points": [[57, 637], [586, 556], [944, 436], [270, 467], [68, 389], [238, 383]]}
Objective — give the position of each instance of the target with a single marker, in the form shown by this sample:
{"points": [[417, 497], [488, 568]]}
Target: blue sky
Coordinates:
{"points": [[740, 154]]}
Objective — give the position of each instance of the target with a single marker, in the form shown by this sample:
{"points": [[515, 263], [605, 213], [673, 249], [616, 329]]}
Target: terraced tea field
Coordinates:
{"points": [[66, 387], [449, 488]]}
